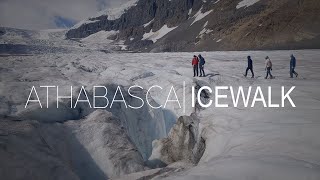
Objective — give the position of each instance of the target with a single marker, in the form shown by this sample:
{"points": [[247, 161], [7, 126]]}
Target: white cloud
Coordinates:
{"points": [[39, 14]]}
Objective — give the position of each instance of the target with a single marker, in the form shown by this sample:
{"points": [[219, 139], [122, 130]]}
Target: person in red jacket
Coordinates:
{"points": [[195, 64]]}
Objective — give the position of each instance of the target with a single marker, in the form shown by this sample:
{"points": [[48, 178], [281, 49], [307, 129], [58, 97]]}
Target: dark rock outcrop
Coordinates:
{"points": [[184, 143]]}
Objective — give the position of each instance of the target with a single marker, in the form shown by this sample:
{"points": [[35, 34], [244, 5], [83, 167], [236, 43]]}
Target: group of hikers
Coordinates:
{"points": [[198, 63]]}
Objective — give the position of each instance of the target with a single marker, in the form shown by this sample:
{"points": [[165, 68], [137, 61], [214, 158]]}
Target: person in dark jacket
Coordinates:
{"points": [[195, 64], [201, 65], [293, 66], [250, 67]]}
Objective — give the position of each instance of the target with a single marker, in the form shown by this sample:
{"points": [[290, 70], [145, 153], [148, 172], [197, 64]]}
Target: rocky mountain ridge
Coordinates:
{"points": [[198, 25]]}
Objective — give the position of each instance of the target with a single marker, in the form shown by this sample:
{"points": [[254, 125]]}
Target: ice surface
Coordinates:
{"points": [[241, 143], [102, 136]]}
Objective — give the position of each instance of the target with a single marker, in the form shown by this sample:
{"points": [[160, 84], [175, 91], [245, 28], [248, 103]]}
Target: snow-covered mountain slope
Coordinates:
{"points": [[228, 25], [240, 143], [111, 14]]}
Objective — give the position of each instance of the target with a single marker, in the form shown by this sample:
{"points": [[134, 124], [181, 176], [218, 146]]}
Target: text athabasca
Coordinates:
{"points": [[219, 96]]}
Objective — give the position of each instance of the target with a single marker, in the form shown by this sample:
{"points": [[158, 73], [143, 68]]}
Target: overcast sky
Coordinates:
{"points": [[48, 14]]}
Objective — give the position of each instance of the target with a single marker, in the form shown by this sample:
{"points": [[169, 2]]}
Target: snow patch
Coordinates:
{"points": [[121, 45], [204, 31], [83, 22], [147, 24], [246, 3], [199, 15], [113, 14], [155, 36], [206, 24], [190, 11], [116, 13]]}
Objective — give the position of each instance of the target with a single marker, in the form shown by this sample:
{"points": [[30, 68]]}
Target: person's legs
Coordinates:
{"points": [[294, 72], [291, 72], [251, 69], [197, 70], [270, 73], [204, 74], [194, 70], [202, 71], [246, 72], [200, 67]]}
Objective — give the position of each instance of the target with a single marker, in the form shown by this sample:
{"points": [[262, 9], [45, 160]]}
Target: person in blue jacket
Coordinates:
{"points": [[293, 66], [201, 66], [250, 67]]}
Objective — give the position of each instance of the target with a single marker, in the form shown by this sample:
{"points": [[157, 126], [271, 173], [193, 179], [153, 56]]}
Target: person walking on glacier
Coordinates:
{"points": [[293, 66], [195, 64], [250, 67], [201, 65], [268, 67]]}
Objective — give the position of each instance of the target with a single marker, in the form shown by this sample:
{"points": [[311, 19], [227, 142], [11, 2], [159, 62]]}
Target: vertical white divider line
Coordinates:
{"points": [[184, 97]]}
